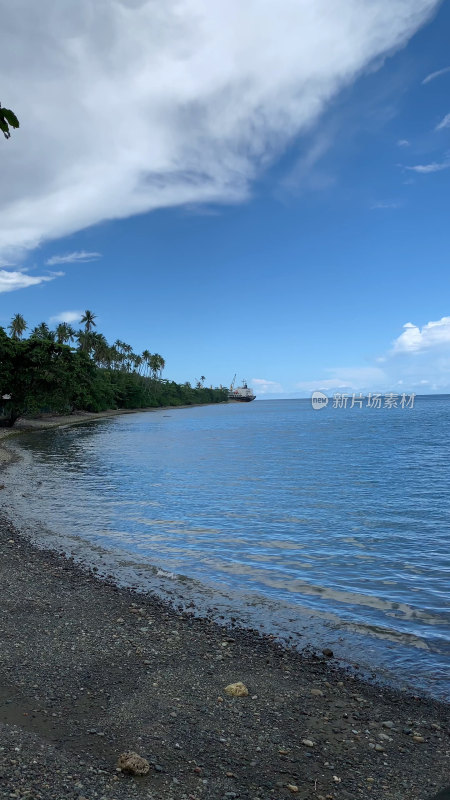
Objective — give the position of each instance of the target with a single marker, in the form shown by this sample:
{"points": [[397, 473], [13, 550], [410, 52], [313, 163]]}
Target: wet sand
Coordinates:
{"points": [[89, 670]]}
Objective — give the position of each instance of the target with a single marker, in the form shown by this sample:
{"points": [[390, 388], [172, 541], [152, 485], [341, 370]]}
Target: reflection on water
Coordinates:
{"points": [[344, 512]]}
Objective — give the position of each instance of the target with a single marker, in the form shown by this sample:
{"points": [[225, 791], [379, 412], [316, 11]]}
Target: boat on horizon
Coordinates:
{"points": [[241, 393]]}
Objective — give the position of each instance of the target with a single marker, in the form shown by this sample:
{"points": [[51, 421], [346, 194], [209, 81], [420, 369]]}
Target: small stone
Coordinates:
{"points": [[133, 763], [293, 788], [317, 692], [308, 742], [436, 726], [327, 652], [384, 737], [387, 724], [237, 689], [418, 738], [379, 748]]}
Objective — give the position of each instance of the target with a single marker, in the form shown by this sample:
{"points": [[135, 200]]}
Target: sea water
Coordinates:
{"points": [[331, 525]]}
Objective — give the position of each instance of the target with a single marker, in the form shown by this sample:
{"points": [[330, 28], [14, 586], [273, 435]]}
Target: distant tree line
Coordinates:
{"points": [[67, 370]]}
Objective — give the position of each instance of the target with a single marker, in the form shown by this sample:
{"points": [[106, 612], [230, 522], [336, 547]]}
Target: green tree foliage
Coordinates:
{"points": [[45, 374], [8, 120]]}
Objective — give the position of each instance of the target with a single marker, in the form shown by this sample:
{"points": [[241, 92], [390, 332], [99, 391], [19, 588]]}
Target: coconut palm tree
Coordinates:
{"points": [[146, 356], [157, 365], [64, 333], [138, 361], [17, 327], [84, 340], [42, 331], [71, 333], [100, 349], [128, 356], [161, 364], [116, 356], [88, 320]]}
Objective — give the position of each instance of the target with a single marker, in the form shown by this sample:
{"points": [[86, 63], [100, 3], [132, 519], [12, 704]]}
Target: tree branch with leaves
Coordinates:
{"points": [[8, 120]]}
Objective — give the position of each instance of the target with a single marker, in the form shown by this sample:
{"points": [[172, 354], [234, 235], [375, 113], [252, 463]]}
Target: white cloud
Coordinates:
{"points": [[10, 280], [346, 379], [263, 386], [67, 316], [418, 361], [133, 105], [437, 74], [386, 204], [78, 257], [403, 143], [415, 339], [424, 169], [444, 123], [303, 174]]}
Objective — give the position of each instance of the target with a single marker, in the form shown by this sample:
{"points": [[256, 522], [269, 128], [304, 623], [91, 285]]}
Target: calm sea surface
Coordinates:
{"points": [[332, 524]]}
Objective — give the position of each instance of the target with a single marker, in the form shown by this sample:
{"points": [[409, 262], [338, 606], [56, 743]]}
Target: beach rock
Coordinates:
{"points": [[237, 689], [317, 692], [133, 763], [327, 652], [387, 724], [379, 748], [418, 738], [293, 788], [308, 742]]}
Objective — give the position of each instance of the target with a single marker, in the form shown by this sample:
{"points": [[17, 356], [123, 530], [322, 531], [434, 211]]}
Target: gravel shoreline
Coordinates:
{"points": [[90, 670]]}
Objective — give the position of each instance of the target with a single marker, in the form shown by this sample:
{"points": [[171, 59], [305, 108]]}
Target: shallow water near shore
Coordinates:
{"points": [[328, 526]]}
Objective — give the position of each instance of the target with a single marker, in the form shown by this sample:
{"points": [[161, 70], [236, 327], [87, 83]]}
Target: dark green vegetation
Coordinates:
{"points": [[47, 373], [8, 120]]}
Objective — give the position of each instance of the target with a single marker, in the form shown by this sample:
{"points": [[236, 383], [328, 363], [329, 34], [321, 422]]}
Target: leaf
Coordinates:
{"points": [[10, 117], [4, 127]]}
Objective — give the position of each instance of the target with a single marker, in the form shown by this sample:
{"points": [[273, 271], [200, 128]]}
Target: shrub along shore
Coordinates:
{"points": [[48, 373]]}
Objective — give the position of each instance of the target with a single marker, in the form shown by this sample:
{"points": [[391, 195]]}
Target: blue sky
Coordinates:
{"points": [[278, 209]]}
